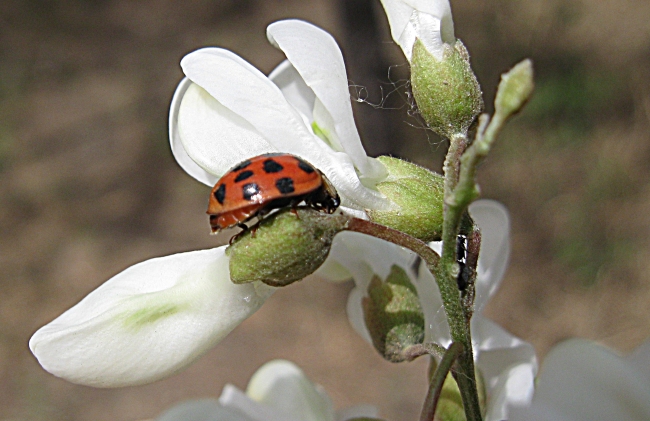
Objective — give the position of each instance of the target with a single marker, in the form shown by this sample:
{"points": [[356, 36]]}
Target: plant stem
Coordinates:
{"points": [[437, 380]]}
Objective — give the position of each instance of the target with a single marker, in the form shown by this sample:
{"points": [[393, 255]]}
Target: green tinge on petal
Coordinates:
{"points": [[151, 314]]}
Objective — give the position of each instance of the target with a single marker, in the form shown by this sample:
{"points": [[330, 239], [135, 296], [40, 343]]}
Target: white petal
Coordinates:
{"points": [[640, 360], [233, 398], [508, 366], [247, 93], [203, 410], [294, 88], [364, 257], [147, 322], [213, 136], [494, 223], [318, 59], [428, 20], [580, 380], [178, 150], [283, 385]]}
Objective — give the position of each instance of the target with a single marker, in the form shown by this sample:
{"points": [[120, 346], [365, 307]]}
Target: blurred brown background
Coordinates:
{"points": [[89, 187]]}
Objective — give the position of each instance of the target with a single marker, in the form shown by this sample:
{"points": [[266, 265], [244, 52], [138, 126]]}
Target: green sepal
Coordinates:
{"points": [[284, 247], [393, 314], [417, 195], [446, 91]]}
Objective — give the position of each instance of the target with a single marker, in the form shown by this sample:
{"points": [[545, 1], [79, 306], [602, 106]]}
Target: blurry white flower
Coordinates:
{"points": [[226, 111], [507, 363], [583, 381], [278, 391], [427, 20], [148, 322]]}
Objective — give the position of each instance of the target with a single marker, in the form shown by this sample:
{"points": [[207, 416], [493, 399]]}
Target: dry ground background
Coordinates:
{"points": [[89, 187]]}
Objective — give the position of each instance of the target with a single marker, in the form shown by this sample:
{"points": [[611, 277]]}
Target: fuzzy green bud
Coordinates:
{"points": [[284, 248], [515, 89], [417, 195], [393, 314], [446, 91]]}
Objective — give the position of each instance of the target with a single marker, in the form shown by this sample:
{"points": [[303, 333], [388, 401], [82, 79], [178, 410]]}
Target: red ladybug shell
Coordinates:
{"points": [[266, 182]]}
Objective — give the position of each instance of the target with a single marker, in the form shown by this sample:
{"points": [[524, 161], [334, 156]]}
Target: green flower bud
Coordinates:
{"points": [[418, 196], [284, 248], [446, 91], [393, 314], [515, 89]]}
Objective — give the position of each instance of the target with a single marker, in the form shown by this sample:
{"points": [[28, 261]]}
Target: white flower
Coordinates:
{"points": [[148, 322], [583, 381], [158, 316], [507, 363], [278, 391], [226, 111], [427, 20]]}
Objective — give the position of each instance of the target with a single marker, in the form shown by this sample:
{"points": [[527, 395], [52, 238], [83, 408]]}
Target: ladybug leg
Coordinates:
{"points": [[294, 207], [235, 237]]}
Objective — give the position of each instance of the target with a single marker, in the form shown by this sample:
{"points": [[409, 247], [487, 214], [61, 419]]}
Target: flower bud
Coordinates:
{"points": [[417, 194], [515, 89], [284, 248], [446, 91], [393, 314]]}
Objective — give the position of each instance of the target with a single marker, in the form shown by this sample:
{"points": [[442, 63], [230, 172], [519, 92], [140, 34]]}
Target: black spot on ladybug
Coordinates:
{"points": [[243, 176], [250, 190], [305, 166], [285, 185], [220, 194], [242, 165], [271, 166]]}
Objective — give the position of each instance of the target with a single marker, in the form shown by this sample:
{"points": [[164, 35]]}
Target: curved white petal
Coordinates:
{"points": [[508, 366], [317, 58], [178, 150], [283, 385], [580, 380], [147, 322], [427, 20], [494, 223], [214, 137], [294, 88], [247, 115], [233, 398], [203, 410]]}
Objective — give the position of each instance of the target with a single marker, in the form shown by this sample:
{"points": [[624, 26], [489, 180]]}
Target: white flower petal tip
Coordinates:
{"points": [[283, 385], [316, 57], [278, 391], [427, 20], [580, 380], [202, 410], [147, 322], [222, 117]]}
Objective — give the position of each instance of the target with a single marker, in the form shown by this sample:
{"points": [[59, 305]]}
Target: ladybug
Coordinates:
{"points": [[258, 185]]}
